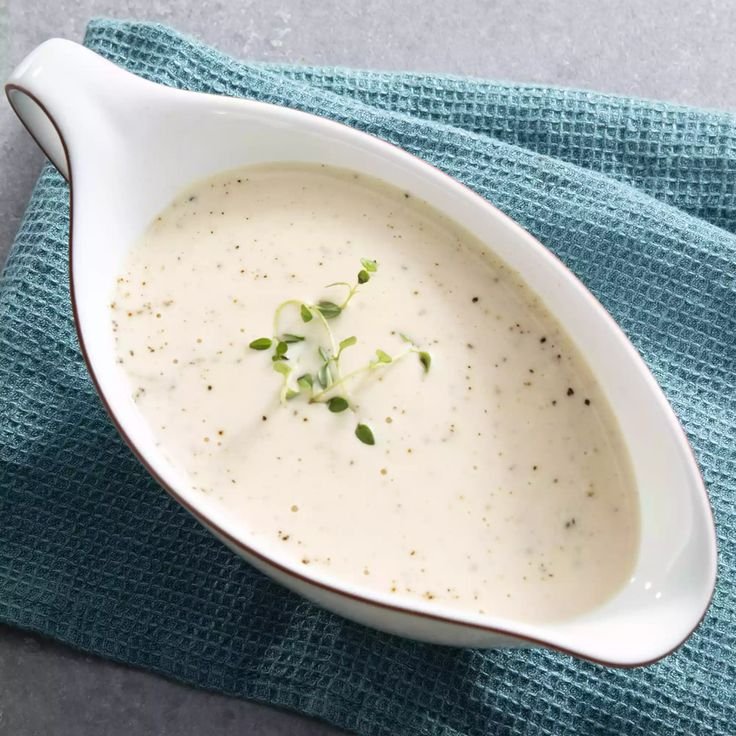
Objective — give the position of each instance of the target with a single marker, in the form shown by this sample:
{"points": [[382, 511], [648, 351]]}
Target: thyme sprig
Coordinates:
{"points": [[327, 385]]}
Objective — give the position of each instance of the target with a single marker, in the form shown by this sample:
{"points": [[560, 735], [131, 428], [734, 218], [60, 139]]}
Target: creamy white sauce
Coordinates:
{"points": [[499, 482]]}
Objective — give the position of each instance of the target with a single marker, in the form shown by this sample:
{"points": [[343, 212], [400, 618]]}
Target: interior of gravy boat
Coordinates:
{"points": [[133, 145]]}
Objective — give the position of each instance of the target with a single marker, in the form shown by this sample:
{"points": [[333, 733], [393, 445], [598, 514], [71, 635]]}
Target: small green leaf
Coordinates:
{"points": [[288, 338], [383, 357], [347, 342], [329, 310], [262, 343], [291, 393], [280, 367], [363, 276], [365, 435], [306, 313], [281, 348], [405, 338], [337, 404], [426, 360], [368, 265], [305, 382], [324, 376], [323, 354]]}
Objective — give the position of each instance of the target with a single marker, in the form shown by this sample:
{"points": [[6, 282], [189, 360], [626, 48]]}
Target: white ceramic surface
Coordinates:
{"points": [[127, 146]]}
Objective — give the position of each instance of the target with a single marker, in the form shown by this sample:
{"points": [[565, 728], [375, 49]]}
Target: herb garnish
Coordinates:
{"points": [[327, 385], [364, 434]]}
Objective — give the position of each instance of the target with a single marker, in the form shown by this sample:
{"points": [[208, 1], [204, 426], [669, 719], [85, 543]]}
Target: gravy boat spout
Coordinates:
{"points": [[128, 146]]}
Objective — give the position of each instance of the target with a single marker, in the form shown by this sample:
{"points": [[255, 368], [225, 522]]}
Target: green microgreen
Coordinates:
{"points": [[305, 382], [329, 310], [306, 313], [328, 374], [364, 433], [346, 343], [324, 376], [337, 404]]}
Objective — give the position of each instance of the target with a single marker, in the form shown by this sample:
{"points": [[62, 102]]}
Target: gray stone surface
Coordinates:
{"points": [[668, 49]]}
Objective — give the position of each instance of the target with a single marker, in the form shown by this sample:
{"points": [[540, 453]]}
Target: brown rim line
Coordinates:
{"points": [[258, 555]]}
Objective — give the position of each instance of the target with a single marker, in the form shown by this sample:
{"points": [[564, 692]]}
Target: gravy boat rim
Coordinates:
{"points": [[24, 88]]}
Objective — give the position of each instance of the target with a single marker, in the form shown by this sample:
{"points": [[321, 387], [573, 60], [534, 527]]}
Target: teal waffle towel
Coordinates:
{"points": [[638, 198]]}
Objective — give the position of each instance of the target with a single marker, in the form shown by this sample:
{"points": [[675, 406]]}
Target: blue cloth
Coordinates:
{"points": [[638, 198]]}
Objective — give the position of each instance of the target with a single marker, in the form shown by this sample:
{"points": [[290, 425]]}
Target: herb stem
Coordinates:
{"points": [[353, 291], [335, 354], [323, 320], [277, 314], [373, 365]]}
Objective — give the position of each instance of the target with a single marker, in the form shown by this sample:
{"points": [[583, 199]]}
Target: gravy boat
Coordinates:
{"points": [[127, 146]]}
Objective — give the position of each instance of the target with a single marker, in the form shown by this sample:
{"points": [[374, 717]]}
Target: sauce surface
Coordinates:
{"points": [[498, 482]]}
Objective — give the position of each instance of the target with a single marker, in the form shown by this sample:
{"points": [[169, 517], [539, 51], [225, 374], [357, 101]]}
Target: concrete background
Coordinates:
{"points": [[667, 49]]}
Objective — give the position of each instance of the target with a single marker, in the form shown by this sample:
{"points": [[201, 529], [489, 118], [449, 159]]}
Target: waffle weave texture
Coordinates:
{"points": [[638, 198]]}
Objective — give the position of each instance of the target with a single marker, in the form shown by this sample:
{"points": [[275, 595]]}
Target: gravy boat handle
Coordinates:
{"points": [[67, 97]]}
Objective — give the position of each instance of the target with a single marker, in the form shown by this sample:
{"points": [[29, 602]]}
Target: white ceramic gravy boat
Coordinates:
{"points": [[127, 146]]}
